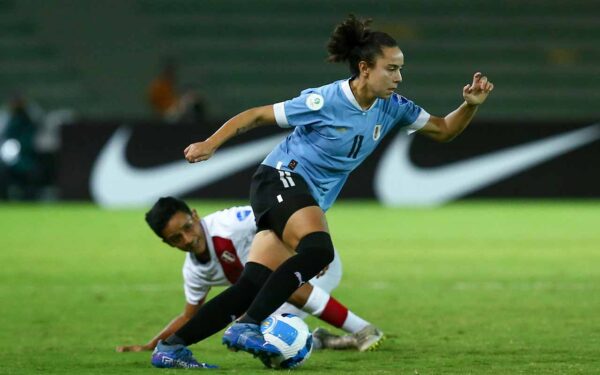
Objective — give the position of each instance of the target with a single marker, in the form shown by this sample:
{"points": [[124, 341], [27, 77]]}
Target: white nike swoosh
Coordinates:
{"points": [[115, 183], [399, 183]]}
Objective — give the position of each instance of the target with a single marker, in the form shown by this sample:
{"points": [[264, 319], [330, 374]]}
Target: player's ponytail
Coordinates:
{"points": [[353, 41], [347, 36]]}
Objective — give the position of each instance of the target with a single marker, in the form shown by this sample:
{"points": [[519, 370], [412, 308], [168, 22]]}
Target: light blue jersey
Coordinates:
{"points": [[333, 135]]}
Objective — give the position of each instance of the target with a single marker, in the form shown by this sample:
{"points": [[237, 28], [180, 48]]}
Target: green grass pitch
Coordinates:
{"points": [[505, 287]]}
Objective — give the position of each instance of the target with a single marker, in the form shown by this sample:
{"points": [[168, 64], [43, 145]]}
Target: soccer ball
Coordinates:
{"points": [[291, 336]]}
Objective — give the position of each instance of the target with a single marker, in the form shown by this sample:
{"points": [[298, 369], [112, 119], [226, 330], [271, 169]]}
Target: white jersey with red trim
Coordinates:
{"points": [[229, 234]]}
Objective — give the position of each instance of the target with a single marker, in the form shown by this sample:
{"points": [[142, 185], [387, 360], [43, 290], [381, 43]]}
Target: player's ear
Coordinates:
{"points": [[195, 214], [363, 69]]}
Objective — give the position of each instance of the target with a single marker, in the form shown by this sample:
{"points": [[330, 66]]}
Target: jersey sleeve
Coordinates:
{"points": [[307, 109], [195, 290], [410, 117]]}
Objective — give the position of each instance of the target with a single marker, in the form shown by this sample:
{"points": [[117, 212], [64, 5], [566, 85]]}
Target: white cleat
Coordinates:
{"points": [[368, 338], [323, 339]]}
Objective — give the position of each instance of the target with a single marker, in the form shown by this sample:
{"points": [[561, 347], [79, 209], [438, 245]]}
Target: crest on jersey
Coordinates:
{"points": [[314, 102], [227, 257], [377, 132]]}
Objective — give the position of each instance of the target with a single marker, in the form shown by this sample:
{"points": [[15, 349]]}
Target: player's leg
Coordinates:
{"points": [[288, 308], [221, 310], [362, 334], [282, 203], [306, 231], [315, 299], [322, 304], [215, 314], [268, 250]]}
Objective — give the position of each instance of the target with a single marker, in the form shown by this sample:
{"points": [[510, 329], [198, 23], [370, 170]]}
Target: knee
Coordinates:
{"points": [[319, 247]]}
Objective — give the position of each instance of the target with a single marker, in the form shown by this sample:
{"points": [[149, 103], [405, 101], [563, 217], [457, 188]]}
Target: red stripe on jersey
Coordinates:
{"points": [[227, 256], [334, 313]]}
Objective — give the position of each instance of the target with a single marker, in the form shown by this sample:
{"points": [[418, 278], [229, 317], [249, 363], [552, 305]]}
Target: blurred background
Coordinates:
{"points": [[100, 98], [170, 72]]}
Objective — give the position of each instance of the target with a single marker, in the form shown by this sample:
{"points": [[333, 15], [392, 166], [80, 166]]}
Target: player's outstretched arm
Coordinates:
{"points": [[171, 328], [238, 124], [445, 129]]}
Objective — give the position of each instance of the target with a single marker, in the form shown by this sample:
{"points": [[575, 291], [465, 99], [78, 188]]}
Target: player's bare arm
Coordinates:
{"points": [[445, 129], [249, 119], [173, 326]]}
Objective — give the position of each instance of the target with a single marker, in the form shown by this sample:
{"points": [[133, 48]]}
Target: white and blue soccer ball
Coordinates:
{"points": [[291, 336]]}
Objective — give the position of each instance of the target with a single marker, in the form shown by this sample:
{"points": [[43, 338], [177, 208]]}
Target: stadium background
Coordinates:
{"points": [[512, 282], [98, 59], [86, 63]]}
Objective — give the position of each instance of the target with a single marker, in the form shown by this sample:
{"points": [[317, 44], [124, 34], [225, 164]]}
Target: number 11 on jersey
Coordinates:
{"points": [[355, 146]]}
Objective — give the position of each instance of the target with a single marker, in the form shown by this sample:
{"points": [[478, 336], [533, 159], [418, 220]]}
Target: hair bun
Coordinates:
{"points": [[352, 33]]}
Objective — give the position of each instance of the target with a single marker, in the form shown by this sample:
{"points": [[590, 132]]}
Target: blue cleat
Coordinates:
{"points": [[175, 356], [247, 337]]}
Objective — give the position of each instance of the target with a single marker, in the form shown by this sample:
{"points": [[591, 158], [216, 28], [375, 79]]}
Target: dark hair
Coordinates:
{"points": [[162, 211], [353, 41]]}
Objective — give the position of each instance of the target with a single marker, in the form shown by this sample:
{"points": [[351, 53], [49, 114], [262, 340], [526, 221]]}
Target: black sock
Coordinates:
{"points": [[174, 340], [314, 252], [217, 313]]}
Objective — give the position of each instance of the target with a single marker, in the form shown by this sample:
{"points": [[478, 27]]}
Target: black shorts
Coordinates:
{"points": [[275, 195]]}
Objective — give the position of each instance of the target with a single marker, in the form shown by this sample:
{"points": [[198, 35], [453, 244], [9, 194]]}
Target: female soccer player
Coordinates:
{"points": [[336, 127]]}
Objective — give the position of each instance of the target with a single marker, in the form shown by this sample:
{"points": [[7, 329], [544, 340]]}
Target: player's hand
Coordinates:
{"points": [[199, 151], [476, 92], [134, 348]]}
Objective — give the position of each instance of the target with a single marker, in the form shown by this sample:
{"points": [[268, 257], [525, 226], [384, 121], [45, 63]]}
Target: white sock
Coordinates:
{"points": [[328, 309], [354, 323], [316, 301]]}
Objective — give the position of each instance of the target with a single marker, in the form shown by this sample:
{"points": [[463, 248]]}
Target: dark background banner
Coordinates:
{"points": [[573, 174]]}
